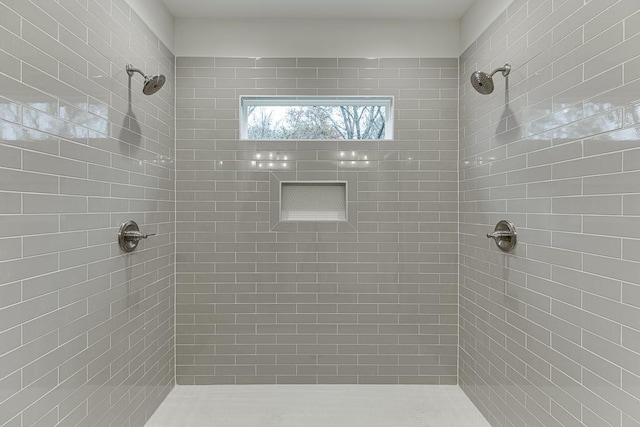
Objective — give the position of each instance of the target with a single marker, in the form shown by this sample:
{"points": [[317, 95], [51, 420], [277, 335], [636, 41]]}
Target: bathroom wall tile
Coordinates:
{"points": [[69, 132], [579, 193], [327, 306]]}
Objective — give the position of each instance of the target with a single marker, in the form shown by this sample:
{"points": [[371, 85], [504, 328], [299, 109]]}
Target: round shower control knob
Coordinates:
{"points": [[505, 235], [130, 235]]}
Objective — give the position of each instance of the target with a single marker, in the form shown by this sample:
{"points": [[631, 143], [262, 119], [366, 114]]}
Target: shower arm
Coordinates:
{"points": [[131, 69], [505, 70]]}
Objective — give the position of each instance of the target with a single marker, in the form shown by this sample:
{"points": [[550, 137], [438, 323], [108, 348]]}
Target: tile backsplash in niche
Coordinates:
{"points": [[309, 201], [371, 300]]}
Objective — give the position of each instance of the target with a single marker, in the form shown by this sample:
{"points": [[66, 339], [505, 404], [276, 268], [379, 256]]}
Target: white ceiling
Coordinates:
{"points": [[350, 9]]}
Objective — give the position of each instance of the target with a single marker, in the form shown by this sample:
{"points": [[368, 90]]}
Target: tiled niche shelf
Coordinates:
{"points": [[313, 201]]}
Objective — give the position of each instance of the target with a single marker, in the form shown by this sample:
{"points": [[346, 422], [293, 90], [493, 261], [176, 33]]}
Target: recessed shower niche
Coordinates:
{"points": [[313, 201]]}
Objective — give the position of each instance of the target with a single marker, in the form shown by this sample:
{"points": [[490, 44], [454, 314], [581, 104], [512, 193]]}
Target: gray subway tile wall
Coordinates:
{"points": [[86, 332], [371, 300], [549, 334]]}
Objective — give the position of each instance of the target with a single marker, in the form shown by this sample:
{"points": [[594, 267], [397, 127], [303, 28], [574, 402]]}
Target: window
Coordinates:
{"points": [[316, 117]]}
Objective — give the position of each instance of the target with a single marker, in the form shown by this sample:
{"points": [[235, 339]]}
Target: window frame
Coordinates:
{"points": [[386, 101]]}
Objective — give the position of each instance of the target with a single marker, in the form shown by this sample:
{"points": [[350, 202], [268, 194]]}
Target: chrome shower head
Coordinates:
{"points": [[483, 82], [152, 84]]}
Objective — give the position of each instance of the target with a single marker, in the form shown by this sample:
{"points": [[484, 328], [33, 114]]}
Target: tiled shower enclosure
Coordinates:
{"points": [[406, 289], [370, 300]]}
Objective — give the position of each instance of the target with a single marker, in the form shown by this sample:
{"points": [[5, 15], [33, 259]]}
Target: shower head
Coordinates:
{"points": [[483, 82], [152, 84]]}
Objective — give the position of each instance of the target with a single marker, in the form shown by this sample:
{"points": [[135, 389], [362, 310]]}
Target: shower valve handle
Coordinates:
{"points": [[130, 235], [136, 235], [497, 235], [505, 236]]}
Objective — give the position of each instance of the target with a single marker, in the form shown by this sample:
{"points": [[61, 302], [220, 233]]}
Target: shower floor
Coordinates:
{"points": [[317, 406]]}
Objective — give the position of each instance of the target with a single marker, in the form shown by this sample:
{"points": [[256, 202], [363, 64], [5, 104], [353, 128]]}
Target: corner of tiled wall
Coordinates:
{"points": [[87, 332]]}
